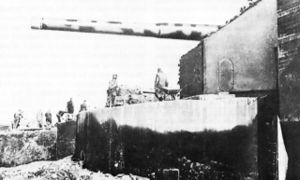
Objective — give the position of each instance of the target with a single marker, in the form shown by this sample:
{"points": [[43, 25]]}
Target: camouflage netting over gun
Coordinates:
{"points": [[191, 72]]}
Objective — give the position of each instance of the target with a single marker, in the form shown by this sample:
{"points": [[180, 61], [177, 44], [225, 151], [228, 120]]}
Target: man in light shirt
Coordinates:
{"points": [[161, 82], [112, 91]]}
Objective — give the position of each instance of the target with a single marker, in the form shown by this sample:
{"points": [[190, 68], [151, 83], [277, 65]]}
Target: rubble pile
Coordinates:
{"points": [[21, 147], [64, 169], [211, 170], [127, 95]]}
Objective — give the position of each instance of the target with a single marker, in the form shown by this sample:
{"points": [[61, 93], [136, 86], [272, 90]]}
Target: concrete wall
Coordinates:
{"points": [[141, 138], [248, 42], [289, 58], [289, 80], [191, 72], [65, 144], [210, 112]]}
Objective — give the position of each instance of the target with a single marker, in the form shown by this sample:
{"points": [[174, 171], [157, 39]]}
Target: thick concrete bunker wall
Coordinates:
{"points": [[65, 143], [289, 77], [289, 58], [248, 44], [144, 138]]}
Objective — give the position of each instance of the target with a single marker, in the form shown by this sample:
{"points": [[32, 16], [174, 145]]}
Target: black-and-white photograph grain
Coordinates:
{"points": [[150, 90]]}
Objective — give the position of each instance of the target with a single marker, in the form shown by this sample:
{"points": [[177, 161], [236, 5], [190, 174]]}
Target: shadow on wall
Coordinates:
{"points": [[112, 148]]}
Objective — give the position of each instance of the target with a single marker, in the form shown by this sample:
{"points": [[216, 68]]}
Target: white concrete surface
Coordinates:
{"points": [[190, 115], [248, 42]]}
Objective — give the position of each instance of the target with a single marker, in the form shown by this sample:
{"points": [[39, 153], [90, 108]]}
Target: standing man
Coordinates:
{"points": [[83, 106], [59, 116], [48, 117], [112, 91], [18, 116], [161, 82], [70, 106], [40, 118]]}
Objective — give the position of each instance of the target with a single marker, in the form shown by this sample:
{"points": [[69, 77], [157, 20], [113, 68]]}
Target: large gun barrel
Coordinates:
{"points": [[160, 30]]}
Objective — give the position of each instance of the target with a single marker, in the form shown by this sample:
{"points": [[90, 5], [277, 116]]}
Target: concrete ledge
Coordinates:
{"points": [[212, 113]]}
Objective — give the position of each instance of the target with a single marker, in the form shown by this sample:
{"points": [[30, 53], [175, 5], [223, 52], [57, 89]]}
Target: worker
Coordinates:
{"points": [[18, 116], [48, 117], [112, 91], [161, 82], [60, 115], [70, 106], [39, 118], [83, 106]]}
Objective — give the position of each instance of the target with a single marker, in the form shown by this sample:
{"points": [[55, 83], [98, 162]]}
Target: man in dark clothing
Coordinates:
{"points": [[48, 117], [59, 116], [70, 106], [83, 106]]}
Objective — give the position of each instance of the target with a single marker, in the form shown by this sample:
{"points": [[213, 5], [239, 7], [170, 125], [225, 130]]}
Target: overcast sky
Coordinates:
{"points": [[182, 11], [43, 69]]}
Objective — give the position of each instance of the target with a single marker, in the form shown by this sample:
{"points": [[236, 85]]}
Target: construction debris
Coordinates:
{"points": [[127, 95], [58, 170]]}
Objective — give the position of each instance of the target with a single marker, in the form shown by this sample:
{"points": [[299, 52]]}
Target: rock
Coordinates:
{"points": [[20, 147], [126, 177]]}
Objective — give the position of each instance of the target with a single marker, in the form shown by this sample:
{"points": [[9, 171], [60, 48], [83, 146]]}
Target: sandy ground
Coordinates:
{"points": [[64, 169]]}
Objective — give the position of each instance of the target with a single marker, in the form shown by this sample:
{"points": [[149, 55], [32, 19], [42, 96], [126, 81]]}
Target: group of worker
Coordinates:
{"points": [[70, 106], [44, 120], [160, 84], [70, 110]]}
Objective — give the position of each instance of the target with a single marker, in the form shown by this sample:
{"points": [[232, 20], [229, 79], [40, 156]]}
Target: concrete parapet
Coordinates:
{"points": [[212, 112]]}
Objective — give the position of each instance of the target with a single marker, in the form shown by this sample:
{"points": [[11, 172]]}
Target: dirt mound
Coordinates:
{"points": [[21, 147], [58, 170]]}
